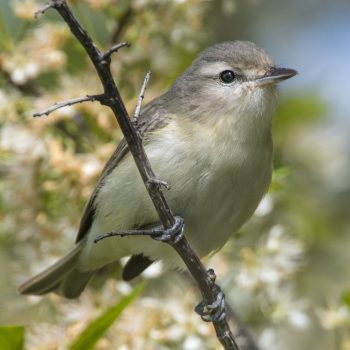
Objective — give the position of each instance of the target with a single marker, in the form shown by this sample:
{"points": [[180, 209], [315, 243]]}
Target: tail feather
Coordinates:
{"points": [[73, 283], [61, 277]]}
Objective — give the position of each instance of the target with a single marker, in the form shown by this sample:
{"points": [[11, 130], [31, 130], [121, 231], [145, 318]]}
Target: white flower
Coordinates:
{"points": [[91, 168], [286, 308], [21, 74], [18, 76], [274, 261], [333, 317], [267, 338], [298, 319], [193, 343]]}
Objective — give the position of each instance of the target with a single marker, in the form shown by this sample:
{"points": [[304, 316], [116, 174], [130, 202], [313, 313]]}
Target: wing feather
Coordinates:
{"points": [[152, 118]]}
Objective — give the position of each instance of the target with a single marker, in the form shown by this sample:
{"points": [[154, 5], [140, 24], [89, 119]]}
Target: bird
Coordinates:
{"points": [[209, 137]]}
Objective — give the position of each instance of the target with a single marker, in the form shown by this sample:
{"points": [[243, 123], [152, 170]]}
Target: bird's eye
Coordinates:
{"points": [[227, 76]]}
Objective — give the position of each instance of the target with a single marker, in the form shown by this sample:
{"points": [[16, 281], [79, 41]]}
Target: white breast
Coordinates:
{"points": [[216, 183], [229, 173]]}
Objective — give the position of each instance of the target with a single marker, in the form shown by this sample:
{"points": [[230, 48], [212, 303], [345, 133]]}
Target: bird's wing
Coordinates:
{"points": [[152, 118], [89, 211]]}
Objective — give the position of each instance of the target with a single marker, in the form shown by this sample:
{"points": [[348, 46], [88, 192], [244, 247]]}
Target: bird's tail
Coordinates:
{"points": [[62, 277]]}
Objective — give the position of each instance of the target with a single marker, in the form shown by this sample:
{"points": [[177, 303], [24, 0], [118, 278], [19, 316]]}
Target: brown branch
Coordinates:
{"points": [[205, 281], [71, 102]]}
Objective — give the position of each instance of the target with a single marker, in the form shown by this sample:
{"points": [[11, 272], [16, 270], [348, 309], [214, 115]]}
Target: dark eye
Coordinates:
{"points": [[227, 76]]}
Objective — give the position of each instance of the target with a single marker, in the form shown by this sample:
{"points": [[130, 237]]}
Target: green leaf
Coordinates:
{"points": [[98, 327], [11, 337], [346, 297]]}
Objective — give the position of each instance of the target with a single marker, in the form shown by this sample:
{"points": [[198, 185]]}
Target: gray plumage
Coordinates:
{"points": [[210, 139]]}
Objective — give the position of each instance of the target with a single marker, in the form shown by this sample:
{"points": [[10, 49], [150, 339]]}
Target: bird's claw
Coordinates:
{"points": [[215, 311], [159, 183], [174, 233]]}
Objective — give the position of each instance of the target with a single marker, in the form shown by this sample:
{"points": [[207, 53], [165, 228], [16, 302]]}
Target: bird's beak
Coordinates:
{"points": [[275, 75]]}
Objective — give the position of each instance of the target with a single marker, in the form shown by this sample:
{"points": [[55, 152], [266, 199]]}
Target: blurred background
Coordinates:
{"points": [[286, 273]]}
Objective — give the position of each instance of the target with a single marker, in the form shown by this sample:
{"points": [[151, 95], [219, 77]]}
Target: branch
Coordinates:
{"points": [[113, 100], [71, 102], [242, 335], [43, 10], [141, 96], [107, 55]]}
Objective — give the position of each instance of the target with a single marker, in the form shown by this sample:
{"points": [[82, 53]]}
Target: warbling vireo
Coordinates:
{"points": [[209, 137]]}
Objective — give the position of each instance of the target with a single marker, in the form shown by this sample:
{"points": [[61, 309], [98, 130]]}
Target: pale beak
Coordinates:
{"points": [[275, 75]]}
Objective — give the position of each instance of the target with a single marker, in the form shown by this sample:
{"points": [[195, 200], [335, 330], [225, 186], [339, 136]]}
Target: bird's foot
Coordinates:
{"points": [[215, 311], [171, 235], [158, 183]]}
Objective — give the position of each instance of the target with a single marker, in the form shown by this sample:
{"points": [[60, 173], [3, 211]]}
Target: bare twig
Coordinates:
{"points": [[112, 98], [107, 55], [71, 102], [141, 96], [43, 10]]}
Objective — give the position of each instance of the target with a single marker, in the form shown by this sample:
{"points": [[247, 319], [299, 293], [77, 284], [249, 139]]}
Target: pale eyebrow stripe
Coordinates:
{"points": [[211, 70], [216, 67]]}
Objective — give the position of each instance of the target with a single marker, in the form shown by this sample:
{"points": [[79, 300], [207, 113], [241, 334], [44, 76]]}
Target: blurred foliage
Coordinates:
{"points": [[98, 327], [296, 111], [285, 270], [12, 337]]}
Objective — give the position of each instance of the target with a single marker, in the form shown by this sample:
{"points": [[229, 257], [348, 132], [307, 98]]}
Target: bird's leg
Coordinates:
{"points": [[215, 311], [171, 235]]}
